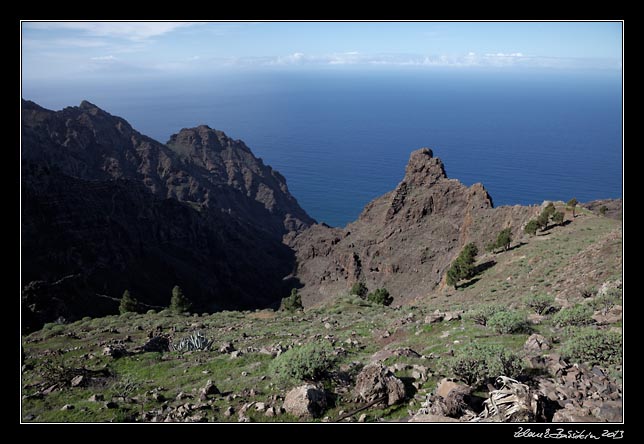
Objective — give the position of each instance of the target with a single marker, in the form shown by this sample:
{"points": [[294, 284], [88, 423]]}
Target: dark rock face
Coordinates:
{"points": [[109, 209], [231, 163], [405, 239]]}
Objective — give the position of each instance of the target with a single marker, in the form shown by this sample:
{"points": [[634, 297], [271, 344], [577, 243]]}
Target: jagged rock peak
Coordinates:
{"points": [[189, 140], [86, 105], [423, 169]]}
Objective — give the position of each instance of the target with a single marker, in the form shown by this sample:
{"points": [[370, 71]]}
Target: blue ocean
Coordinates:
{"points": [[343, 137]]}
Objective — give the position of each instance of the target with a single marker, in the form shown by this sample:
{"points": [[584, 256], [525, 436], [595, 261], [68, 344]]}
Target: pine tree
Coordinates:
{"points": [[292, 302], [128, 303], [558, 217], [503, 240], [531, 227], [463, 265], [179, 303]]}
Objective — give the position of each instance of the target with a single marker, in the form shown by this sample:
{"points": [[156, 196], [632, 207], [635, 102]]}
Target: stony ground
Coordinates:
{"points": [[98, 370]]}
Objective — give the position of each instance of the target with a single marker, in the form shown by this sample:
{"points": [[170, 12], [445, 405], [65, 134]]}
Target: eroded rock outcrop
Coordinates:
{"points": [[404, 240]]}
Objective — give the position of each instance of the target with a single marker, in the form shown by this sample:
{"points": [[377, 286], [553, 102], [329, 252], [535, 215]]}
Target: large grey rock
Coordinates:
{"points": [[455, 396], [157, 344], [305, 401], [536, 342], [453, 315], [445, 386], [115, 351], [610, 411], [375, 381], [433, 318], [227, 347], [576, 414]]}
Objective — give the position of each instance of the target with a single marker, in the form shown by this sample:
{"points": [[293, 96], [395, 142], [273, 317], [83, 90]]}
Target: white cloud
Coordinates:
{"points": [[501, 54], [127, 30], [106, 58], [470, 59]]}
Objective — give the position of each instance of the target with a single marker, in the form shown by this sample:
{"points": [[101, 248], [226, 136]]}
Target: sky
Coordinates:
{"points": [[70, 50]]}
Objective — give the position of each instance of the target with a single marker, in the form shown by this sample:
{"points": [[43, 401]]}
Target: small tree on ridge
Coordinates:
{"points": [[572, 203], [128, 303], [463, 265]]}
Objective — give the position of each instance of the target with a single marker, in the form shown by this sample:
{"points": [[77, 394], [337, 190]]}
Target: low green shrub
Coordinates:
{"points": [[482, 313], [476, 364], [380, 296], [309, 362], [505, 322], [359, 289], [594, 347], [539, 303], [577, 315], [606, 301]]}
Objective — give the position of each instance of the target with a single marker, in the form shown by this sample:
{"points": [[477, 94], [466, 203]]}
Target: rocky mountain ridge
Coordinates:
{"points": [[105, 208], [405, 239]]}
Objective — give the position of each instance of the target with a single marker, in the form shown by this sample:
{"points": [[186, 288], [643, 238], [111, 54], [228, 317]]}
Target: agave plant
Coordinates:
{"points": [[194, 341]]}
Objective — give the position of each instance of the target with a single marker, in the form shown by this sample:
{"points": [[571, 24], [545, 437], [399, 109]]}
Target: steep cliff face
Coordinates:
{"points": [[404, 240], [105, 208], [231, 164], [200, 165]]}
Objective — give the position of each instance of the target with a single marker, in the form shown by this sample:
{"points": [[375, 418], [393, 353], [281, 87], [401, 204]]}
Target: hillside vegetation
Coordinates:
{"points": [[100, 369]]}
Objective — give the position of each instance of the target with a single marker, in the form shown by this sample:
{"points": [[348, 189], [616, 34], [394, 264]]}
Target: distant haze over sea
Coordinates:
{"points": [[343, 137]]}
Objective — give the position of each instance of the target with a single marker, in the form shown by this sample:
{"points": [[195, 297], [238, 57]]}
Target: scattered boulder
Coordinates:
{"points": [[419, 372], [407, 352], [67, 407], [156, 344], [452, 315], [536, 342], [455, 396], [78, 381], [227, 347], [207, 390], [612, 316], [574, 414], [115, 351], [610, 411], [305, 401], [433, 318], [446, 386], [96, 397], [375, 381]]}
